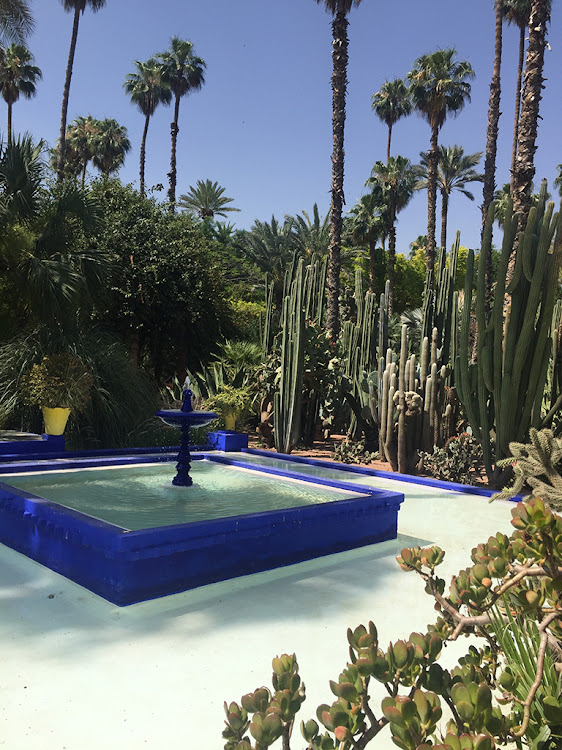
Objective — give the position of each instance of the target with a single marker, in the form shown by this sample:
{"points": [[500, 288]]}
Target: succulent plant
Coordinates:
{"points": [[505, 692]]}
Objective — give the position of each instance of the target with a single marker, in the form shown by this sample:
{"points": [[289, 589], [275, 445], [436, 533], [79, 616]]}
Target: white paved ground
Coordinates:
{"points": [[78, 673]]}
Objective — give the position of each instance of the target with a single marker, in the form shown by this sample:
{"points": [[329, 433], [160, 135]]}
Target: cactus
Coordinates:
{"points": [[440, 302], [265, 330], [287, 400], [296, 402], [502, 391], [417, 412]]}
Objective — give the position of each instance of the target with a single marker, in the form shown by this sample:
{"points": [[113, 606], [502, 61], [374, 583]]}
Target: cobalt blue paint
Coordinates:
{"points": [[228, 440], [411, 479], [131, 566]]}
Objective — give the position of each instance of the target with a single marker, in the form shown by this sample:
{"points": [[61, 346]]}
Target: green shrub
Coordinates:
{"points": [[60, 380], [460, 460], [353, 452]]}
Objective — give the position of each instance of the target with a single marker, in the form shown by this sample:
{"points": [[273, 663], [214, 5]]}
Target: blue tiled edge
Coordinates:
{"points": [[427, 481], [131, 566]]}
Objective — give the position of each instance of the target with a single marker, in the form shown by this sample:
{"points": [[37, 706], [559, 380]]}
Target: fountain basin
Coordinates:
{"points": [[179, 418], [127, 566]]}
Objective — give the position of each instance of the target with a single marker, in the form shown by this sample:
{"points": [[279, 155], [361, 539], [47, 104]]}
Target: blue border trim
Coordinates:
{"points": [[427, 481], [131, 566]]}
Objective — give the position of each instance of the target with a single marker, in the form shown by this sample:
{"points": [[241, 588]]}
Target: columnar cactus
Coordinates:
{"points": [[503, 390], [287, 400]]}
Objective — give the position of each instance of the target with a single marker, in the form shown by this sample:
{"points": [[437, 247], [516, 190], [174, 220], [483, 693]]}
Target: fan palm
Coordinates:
{"points": [[397, 180], [18, 76], [339, 9], [455, 170], [147, 89], [80, 141], [207, 199], [311, 236], [21, 173], [16, 21], [110, 144], [77, 7], [390, 104], [183, 72], [524, 169], [50, 277], [439, 87]]}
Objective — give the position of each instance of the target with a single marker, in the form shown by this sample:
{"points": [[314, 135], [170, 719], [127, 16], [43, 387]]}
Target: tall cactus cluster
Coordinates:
{"points": [[417, 409], [303, 302], [502, 390]]}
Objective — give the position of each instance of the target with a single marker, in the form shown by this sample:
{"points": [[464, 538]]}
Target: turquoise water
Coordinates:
{"points": [[142, 497]]}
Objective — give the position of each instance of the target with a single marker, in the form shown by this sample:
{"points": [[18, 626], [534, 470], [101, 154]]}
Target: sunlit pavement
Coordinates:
{"points": [[78, 673]]}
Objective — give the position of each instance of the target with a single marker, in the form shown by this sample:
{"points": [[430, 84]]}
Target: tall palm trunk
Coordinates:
{"points": [[433, 161], [172, 174], [66, 94], [340, 45], [492, 136], [528, 122], [143, 152], [388, 144], [84, 172], [444, 212], [517, 103], [9, 122]]}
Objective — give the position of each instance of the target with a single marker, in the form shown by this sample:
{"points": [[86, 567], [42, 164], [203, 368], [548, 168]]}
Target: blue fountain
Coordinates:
{"points": [[185, 418]]}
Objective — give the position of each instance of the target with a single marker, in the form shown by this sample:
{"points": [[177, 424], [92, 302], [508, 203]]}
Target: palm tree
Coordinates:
{"points": [[492, 129], [16, 21], [81, 141], [21, 174], [502, 197], [207, 199], [51, 275], [340, 42], [147, 89], [439, 86], [390, 104], [368, 223], [77, 7], [455, 170], [558, 179], [397, 180], [524, 170], [17, 76], [311, 236], [270, 247], [517, 13], [110, 145], [183, 72]]}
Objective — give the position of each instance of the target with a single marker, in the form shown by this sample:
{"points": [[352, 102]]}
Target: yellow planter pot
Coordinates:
{"points": [[230, 420], [55, 419]]}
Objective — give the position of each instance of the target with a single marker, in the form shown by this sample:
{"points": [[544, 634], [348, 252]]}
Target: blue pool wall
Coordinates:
{"points": [[131, 566], [394, 475]]}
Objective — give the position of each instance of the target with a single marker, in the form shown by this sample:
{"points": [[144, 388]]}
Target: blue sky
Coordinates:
{"points": [[261, 126]]}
